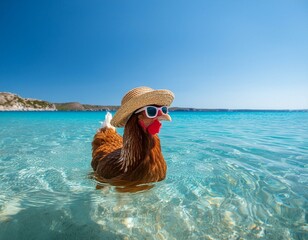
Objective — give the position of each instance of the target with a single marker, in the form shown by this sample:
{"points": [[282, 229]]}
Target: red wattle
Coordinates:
{"points": [[154, 127]]}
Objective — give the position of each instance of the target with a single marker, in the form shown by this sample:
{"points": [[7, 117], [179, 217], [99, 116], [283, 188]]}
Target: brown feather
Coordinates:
{"points": [[137, 159]]}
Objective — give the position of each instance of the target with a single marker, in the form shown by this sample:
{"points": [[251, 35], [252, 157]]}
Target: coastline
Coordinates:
{"points": [[11, 102]]}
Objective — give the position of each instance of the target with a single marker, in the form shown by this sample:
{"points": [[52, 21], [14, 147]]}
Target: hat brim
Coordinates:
{"points": [[155, 97]]}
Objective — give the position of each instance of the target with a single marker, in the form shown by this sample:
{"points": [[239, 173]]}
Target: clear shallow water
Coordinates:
{"points": [[231, 175]]}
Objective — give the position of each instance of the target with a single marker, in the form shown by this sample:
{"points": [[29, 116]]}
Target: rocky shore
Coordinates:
{"points": [[13, 102]]}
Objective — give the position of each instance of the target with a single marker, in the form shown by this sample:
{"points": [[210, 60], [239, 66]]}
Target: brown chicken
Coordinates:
{"points": [[134, 159]]}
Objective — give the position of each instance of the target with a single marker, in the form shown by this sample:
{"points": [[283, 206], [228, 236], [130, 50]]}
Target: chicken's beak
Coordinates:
{"points": [[164, 117]]}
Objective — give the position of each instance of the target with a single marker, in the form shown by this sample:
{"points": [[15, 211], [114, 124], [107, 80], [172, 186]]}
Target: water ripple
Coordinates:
{"points": [[230, 176]]}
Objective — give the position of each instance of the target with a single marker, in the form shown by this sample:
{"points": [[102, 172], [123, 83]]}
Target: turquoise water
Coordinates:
{"points": [[231, 175]]}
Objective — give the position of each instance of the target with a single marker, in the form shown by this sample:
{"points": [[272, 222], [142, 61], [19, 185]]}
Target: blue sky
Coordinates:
{"points": [[211, 54]]}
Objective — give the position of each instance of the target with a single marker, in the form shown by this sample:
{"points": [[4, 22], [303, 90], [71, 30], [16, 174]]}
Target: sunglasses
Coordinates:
{"points": [[152, 111]]}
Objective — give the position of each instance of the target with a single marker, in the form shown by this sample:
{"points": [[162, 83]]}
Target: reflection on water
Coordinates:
{"points": [[230, 176], [121, 185]]}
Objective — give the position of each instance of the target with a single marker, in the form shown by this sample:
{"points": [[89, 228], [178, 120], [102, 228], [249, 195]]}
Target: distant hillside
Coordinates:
{"points": [[76, 106], [13, 102], [71, 106]]}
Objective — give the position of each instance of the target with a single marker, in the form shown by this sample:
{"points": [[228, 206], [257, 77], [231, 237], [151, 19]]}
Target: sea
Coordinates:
{"points": [[231, 175]]}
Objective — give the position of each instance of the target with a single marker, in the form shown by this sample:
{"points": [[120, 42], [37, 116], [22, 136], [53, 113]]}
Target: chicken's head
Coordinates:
{"points": [[149, 118], [154, 103]]}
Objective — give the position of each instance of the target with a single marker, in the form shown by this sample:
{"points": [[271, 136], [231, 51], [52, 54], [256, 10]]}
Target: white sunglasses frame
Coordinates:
{"points": [[158, 108]]}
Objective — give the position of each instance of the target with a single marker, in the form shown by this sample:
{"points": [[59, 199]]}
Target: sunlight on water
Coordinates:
{"points": [[235, 175]]}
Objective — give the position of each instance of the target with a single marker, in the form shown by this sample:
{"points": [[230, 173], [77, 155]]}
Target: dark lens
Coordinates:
{"points": [[151, 111], [164, 110]]}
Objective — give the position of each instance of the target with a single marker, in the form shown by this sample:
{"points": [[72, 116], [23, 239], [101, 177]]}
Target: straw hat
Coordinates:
{"points": [[138, 98]]}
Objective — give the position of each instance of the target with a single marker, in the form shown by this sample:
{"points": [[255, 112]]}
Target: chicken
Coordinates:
{"points": [[134, 159]]}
